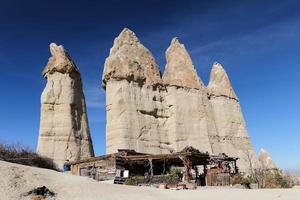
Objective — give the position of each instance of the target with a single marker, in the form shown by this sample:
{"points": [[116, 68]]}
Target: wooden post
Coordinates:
{"points": [[187, 163], [151, 168]]}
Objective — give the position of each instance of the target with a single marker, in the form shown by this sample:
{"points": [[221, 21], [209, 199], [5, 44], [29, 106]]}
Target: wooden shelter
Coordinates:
{"points": [[198, 167]]}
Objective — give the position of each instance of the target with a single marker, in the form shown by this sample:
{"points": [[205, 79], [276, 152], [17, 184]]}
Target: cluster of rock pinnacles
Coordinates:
{"points": [[145, 111]]}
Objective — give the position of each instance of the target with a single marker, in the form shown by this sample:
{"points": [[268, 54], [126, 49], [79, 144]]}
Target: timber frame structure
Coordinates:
{"points": [[197, 167]]}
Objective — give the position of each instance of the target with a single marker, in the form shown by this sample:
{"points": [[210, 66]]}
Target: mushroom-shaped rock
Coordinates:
{"points": [[64, 133], [60, 61], [180, 70], [129, 59], [266, 160], [219, 83]]}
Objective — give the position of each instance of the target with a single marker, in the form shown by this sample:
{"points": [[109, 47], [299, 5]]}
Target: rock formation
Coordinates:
{"points": [[266, 160], [64, 132], [232, 137], [133, 101], [154, 114], [186, 101]]}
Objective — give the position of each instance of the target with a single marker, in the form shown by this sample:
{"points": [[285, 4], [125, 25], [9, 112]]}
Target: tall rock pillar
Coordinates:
{"points": [[64, 133], [134, 110], [186, 102], [232, 137]]}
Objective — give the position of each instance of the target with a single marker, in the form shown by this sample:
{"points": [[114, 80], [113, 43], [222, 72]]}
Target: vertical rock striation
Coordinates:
{"points": [[154, 114], [134, 111], [186, 100], [232, 137], [64, 133]]}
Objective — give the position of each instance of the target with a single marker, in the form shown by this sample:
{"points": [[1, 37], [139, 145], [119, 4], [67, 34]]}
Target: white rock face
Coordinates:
{"points": [[133, 103], [266, 160], [154, 114], [179, 70], [232, 137], [64, 132], [187, 102]]}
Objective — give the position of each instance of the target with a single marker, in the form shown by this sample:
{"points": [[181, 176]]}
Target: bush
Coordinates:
{"points": [[236, 179], [275, 178], [131, 181], [20, 154], [175, 175]]}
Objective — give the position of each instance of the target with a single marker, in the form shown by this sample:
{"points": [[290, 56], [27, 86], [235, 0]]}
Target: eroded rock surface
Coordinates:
{"points": [[186, 100], [154, 114], [179, 70], [129, 59], [266, 160], [133, 101], [64, 133], [232, 136]]}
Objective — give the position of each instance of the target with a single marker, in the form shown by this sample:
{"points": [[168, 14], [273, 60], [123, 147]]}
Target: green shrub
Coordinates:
{"points": [[175, 175]]}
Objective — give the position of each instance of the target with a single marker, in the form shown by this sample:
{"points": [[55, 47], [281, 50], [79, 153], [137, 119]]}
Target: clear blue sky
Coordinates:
{"points": [[258, 43]]}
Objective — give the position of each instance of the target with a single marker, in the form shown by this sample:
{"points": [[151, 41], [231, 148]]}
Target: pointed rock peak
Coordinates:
{"points": [[126, 38], [175, 40], [266, 160], [128, 35], [179, 70], [219, 83], [217, 65], [129, 59], [60, 61]]}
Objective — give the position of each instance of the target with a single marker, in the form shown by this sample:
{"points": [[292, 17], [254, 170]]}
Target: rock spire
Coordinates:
{"points": [[130, 60], [266, 160], [179, 70], [133, 103], [156, 115], [64, 133], [232, 137], [219, 83]]}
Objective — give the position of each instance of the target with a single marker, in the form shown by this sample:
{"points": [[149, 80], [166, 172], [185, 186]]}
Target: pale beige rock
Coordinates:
{"points": [[219, 84], [64, 132], [186, 99], [154, 115], [266, 160], [133, 103], [179, 70], [232, 137], [129, 59]]}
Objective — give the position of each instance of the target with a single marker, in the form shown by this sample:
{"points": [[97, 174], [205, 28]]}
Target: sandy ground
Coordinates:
{"points": [[16, 180]]}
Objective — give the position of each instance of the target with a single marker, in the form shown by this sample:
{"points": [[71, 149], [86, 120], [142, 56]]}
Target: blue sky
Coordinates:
{"points": [[257, 42]]}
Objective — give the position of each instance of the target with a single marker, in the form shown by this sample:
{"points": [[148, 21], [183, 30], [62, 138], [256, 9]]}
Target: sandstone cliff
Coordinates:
{"points": [[64, 132]]}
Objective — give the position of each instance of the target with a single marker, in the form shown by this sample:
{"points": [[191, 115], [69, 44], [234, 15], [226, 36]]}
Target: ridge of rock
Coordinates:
{"points": [[179, 70], [129, 59], [219, 83], [60, 61]]}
